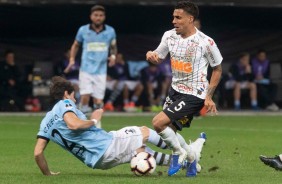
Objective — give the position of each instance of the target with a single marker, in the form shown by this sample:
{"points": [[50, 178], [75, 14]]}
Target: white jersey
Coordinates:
{"points": [[190, 58]]}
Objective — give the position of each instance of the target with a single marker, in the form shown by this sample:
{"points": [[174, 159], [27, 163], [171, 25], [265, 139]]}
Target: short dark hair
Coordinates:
{"points": [[8, 51], [98, 8], [243, 54], [58, 87], [260, 51], [188, 7]]}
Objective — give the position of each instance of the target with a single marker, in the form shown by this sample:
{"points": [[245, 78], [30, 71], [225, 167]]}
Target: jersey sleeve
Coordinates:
{"points": [[162, 49], [79, 35], [43, 134], [114, 37], [213, 54]]}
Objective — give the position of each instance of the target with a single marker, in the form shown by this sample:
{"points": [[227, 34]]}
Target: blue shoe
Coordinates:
{"points": [[174, 166], [192, 169], [255, 108], [237, 107], [203, 135]]}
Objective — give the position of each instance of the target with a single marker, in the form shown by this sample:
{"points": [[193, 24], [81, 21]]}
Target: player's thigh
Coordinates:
{"points": [[125, 143], [85, 84], [245, 85], [131, 85], [110, 84], [98, 86], [187, 105]]}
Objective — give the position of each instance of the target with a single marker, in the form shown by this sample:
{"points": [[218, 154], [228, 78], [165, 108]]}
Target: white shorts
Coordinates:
{"points": [[123, 147], [74, 81], [230, 84], [111, 84], [131, 85], [95, 85], [244, 85]]}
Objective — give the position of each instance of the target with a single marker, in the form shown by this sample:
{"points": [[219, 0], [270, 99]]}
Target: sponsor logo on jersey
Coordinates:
{"points": [[185, 88], [210, 55], [183, 120], [97, 47], [181, 66]]}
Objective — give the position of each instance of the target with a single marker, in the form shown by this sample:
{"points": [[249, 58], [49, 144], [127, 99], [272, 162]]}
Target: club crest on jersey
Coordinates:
{"points": [[191, 50], [68, 105]]}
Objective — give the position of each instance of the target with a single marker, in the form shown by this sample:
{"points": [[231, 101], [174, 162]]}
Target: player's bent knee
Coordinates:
{"points": [[156, 124], [160, 122]]}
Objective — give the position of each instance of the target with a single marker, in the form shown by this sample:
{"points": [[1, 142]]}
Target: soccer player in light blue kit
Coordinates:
{"points": [[68, 127], [99, 46]]}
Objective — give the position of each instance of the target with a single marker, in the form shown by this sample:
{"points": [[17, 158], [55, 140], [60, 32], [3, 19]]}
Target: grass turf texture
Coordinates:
{"points": [[229, 156]]}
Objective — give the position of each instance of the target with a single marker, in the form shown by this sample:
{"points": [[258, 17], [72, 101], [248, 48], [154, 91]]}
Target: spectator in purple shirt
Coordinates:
{"points": [[266, 89]]}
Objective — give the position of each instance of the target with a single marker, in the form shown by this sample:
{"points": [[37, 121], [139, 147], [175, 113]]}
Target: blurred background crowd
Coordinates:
{"points": [[35, 38]]}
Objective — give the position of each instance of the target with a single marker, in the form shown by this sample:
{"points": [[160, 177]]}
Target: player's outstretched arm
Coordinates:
{"points": [[40, 158], [74, 49], [74, 123]]}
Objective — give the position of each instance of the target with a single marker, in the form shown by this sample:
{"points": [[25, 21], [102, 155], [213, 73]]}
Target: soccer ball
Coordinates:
{"points": [[143, 164]]}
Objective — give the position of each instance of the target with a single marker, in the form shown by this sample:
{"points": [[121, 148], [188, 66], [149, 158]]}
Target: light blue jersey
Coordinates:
{"points": [[87, 145], [95, 48]]}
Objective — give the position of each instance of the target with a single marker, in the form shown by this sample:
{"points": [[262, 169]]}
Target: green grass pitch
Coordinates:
{"points": [[229, 156]]}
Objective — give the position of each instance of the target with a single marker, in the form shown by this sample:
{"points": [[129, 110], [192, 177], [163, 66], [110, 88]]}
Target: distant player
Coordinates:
{"points": [[98, 41], [68, 127], [191, 52], [274, 162]]}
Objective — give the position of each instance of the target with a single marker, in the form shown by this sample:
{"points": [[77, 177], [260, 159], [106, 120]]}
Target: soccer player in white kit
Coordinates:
{"points": [[191, 52]]}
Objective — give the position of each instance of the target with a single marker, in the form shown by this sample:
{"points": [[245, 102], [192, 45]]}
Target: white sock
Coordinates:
{"points": [[155, 139], [190, 151], [182, 142], [280, 156], [197, 146], [161, 158], [170, 138]]}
